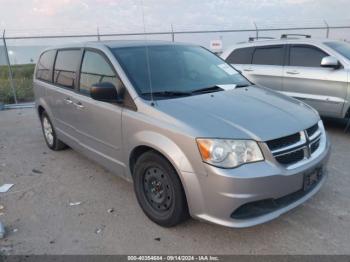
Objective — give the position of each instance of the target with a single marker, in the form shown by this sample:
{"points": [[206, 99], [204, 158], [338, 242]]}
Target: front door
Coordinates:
{"points": [[304, 78], [98, 124]]}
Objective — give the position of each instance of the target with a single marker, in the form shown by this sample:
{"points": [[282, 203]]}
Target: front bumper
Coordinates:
{"points": [[224, 191]]}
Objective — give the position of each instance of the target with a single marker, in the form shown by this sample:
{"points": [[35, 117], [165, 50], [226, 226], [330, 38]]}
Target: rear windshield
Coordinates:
{"points": [[341, 47], [175, 68]]}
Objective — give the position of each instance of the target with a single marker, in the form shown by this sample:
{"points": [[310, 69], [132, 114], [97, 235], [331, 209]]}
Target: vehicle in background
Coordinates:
{"points": [[315, 71], [194, 136]]}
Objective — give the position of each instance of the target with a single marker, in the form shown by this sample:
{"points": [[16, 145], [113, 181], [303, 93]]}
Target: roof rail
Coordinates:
{"points": [[287, 35], [252, 39]]}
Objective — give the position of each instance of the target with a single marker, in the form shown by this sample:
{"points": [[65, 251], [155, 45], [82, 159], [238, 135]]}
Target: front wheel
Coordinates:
{"points": [[159, 190]]}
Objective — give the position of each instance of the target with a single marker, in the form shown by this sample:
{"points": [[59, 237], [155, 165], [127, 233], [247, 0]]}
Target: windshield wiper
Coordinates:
{"points": [[207, 89], [168, 93], [242, 85]]}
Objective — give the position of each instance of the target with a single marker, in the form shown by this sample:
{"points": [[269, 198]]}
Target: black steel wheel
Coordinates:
{"points": [[159, 190]]}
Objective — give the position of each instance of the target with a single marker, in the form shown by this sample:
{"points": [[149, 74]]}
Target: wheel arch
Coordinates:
{"points": [[149, 140], [42, 106], [40, 110]]}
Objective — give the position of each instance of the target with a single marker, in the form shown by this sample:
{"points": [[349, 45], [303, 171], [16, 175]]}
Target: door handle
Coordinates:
{"points": [[294, 72], [68, 100], [248, 69], [79, 105]]}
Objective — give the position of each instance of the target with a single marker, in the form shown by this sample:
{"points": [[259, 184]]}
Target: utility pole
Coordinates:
{"points": [[327, 28], [256, 30], [9, 69], [172, 33], [98, 34]]}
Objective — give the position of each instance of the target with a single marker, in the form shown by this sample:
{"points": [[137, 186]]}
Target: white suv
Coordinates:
{"points": [[315, 71]]}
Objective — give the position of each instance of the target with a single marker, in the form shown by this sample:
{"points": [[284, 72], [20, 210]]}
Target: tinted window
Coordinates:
{"points": [[272, 55], [341, 47], [95, 69], [240, 56], [45, 64], [65, 67], [305, 56]]}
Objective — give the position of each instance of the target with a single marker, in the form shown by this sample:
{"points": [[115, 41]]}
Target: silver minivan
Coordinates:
{"points": [[194, 136], [315, 71]]}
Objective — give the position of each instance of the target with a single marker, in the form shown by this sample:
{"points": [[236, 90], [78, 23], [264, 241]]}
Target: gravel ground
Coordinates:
{"points": [[39, 219]]}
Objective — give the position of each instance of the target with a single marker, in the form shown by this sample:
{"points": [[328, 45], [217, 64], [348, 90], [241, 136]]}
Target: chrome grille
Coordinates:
{"points": [[294, 148], [314, 146], [312, 130], [283, 142], [291, 157]]}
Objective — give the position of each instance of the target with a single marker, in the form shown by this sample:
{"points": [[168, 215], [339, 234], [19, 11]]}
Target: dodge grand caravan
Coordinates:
{"points": [[192, 134]]}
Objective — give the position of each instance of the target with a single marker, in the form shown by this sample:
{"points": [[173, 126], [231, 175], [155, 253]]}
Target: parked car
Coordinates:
{"points": [[194, 136], [315, 71]]}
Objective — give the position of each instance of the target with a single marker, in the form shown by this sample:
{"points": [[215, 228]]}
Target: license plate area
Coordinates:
{"points": [[312, 178]]}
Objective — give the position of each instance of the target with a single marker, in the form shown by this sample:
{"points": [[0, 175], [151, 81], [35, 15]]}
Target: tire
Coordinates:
{"points": [[49, 133], [159, 190]]}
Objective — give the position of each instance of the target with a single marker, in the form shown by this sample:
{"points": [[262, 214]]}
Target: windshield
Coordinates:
{"points": [[341, 47], [175, 69]]}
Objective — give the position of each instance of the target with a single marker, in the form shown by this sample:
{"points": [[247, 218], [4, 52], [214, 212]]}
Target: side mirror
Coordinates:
{"points": [[105, 92], [330, 62]]}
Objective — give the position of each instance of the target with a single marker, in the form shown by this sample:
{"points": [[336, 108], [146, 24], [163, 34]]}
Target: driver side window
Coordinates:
{"points": [[94, 70], [306, 56]]}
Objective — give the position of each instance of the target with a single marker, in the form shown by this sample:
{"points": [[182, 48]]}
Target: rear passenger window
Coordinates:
{"points": [[271, 55], [94, 70], [45, 64], [65, 67], [241, 56], [308, 56]]}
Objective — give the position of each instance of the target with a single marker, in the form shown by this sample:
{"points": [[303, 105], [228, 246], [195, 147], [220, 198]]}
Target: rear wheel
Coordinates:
{"points": [[49, 133], [159, 190]]}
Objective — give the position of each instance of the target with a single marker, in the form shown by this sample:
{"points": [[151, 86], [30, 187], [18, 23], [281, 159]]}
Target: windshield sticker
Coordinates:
{"points": [[227, 87], [229, 70]]}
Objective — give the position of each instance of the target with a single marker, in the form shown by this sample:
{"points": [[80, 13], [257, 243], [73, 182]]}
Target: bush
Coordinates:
{"points": [[23, 82]]}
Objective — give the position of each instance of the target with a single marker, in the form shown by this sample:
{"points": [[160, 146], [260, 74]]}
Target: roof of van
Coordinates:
{"points": [[118, 43], [127, 43]]}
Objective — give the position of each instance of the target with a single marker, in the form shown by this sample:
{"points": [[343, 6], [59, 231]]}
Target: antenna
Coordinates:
{"points": [[147, 54]]}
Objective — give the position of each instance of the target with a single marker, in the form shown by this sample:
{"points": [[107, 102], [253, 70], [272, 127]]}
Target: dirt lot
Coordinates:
{"points": [[39, 219]]}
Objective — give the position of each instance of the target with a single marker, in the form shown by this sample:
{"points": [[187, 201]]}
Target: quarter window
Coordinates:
{"points": [[270, 55], [45, 64], [307, 56], [241, 56], [94, 70], [65, 67]]}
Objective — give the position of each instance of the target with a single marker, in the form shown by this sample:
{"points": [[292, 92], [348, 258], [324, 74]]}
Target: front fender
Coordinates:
{"points": [[165, 146]]}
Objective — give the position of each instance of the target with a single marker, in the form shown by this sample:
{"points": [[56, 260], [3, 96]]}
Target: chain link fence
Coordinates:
{"points": [[19, 53]]}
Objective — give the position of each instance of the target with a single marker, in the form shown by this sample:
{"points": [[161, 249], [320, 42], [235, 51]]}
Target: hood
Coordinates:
{"points": [[243, 113]]}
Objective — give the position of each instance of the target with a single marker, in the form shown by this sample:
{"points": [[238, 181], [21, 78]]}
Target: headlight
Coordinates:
{"points": [[229, 153]]}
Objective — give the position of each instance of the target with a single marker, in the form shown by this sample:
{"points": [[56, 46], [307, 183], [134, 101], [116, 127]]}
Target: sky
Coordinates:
{"points": [[59, 17], [56, 16]]}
